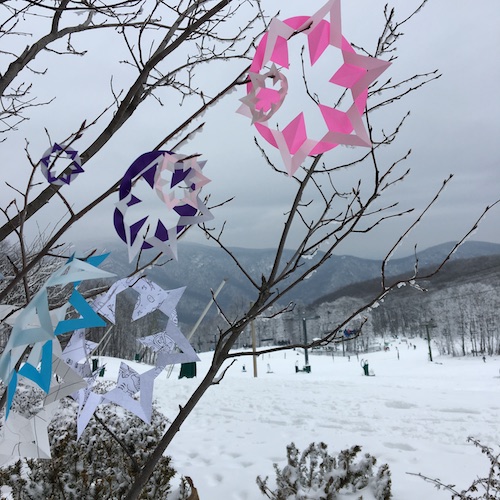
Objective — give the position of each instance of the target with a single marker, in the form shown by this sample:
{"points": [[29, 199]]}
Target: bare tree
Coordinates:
{"points": [[152, 33], [324, 214]]}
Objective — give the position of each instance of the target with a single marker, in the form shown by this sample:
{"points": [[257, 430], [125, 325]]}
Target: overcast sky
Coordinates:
{"points": [[454, 127]]}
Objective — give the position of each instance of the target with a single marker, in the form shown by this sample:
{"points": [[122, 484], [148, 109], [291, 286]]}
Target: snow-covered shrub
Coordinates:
{"points": [[315, 474], [100, 465]]}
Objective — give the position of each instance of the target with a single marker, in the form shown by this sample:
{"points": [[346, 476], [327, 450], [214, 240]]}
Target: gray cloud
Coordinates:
{"points": [[453, 128]]}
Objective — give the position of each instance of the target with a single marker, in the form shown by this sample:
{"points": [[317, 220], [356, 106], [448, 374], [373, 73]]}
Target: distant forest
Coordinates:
{"points": [[458, 309]]}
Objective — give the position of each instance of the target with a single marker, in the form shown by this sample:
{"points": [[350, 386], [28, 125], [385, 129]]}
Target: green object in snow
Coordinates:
{"points": [[188, 370]]}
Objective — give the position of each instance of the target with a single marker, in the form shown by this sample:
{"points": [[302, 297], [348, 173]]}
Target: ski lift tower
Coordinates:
{"points": [[428, 325], [307, 367]]}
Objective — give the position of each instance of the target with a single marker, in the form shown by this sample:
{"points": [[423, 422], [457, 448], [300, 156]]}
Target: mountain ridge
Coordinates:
{"points": [[202, 268]]}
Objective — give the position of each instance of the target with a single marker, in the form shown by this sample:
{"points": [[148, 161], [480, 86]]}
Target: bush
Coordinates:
{"points": [[315, 474], [100, 465]]}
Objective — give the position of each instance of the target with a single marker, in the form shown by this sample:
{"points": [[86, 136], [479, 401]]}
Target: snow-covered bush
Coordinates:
{"points": [[102, 464], [315, 474]]}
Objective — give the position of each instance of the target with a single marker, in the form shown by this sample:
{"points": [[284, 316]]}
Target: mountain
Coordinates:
{"points": [[203, 268], [457, 310], [478, 271]]}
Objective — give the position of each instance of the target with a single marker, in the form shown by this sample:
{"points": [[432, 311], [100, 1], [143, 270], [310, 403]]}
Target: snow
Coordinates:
{"points": [[413, 414]]}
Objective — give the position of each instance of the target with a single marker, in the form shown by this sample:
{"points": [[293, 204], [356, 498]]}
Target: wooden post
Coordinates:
{"points": [[254, 349]]}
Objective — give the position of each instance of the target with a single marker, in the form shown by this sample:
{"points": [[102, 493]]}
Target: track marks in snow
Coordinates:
{"points": [[214, 479], [399, 446], [399, 405], [460, 410]]}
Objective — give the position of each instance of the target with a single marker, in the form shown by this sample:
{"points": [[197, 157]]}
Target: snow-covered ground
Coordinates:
{"points": [[413, 415]]}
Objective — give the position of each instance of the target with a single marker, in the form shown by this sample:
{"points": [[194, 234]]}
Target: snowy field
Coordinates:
{"points": [[413, 415]]}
